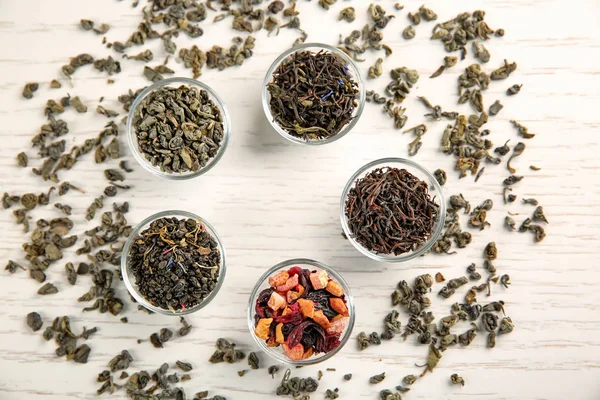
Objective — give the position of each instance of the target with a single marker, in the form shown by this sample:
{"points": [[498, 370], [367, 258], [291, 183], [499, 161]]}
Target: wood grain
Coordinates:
{"points": [[271, 200]]}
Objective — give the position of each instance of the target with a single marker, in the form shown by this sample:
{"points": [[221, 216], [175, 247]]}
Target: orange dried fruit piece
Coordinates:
{"points": [[295, 353], [319, 279], [339, 305], [335, 288], [279, 333], [288, 285], [263, 328], [279, 278], [321, 319], [292, 295], [308, 353], [276, 301], [338, 326], [272, 342], [307, 308]]}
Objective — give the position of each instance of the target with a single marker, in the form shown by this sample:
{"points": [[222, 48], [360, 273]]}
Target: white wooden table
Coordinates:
{"points": [[271, 200]]}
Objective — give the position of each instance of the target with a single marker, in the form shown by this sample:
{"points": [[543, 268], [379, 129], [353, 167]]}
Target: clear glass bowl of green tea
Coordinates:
{"points": [[178, 128], [173, 263], [301, 312], [392, 210], [313, 94]]}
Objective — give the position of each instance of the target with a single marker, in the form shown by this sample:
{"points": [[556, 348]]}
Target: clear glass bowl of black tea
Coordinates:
{"points": [[173, 263], [392, 210], [178, 128], [301, 312], [313, 94]]}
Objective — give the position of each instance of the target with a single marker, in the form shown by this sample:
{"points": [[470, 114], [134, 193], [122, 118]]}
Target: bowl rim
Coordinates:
{"points": [[132, 139], [437, 193], [130, 285], [356, 75], [258, 287]]}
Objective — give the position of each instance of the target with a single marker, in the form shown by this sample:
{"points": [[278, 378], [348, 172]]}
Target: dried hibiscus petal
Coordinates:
{"points": [[294, 271]]}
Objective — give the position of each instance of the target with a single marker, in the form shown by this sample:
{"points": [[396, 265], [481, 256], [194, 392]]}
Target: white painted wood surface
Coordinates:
{"points": [[272, 200]]}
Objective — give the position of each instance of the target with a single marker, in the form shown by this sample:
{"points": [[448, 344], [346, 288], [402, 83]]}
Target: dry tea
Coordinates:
{"points": [[175, 263], [313, 95], [377, 208], [303, 311], [178, 129]]}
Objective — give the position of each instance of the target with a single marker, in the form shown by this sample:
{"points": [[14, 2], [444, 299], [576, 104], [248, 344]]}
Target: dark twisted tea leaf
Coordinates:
{"points": [[514, 89], [186, 328], [8, 200], [322, 104], [440, 176], [433, 359], [522, 130], [71, 274], [457, 380], [503, 150], [347, 14], [506, 326], [120, 361], [377, 378], [363, 341], [125, 166], [517, 151], [510, 223], [37, 275], [376, 70], [107, 113], [47, 288], [113, 175], [490, 252], [525, 225], [504, 71], [12, 267], [29, 201], [54, 84], [538, 215], [78, 105], [538, 231], [409, 379], [34, 321], [165, 334], [201, 395], [491, 340], [81, 354], [414, 18], [511, 180], [144, 56], [253, 360], [272, 370], [480, 52], [22, 159], [409, 33], [495, 108], [29, 89], [427, 14], [108, 65]]}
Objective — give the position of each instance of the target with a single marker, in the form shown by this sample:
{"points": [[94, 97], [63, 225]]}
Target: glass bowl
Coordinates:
{"points": [[354, 73], [132, 137], [263, 283], [434, 190], [129, 279]]}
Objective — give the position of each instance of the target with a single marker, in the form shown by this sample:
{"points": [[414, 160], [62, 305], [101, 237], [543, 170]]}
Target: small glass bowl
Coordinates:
{"points": [[132, 137], [129, 279], [354, 73], [434, 190], [263, 283]]}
